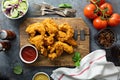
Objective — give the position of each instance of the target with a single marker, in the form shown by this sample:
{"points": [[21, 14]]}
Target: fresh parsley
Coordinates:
{"points": [[77, 58]]}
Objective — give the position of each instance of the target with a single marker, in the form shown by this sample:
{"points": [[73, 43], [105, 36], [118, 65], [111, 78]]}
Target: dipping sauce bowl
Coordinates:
{"points": [[28, 54], [41, 76]]}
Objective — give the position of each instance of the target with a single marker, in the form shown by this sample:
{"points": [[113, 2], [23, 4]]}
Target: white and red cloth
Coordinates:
{"points": [[92, 66]]}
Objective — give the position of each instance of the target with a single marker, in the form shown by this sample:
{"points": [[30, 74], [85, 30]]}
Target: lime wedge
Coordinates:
{"points": [[14, 13]]}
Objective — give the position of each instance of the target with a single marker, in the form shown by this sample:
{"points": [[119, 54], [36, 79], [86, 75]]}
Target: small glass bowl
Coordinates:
{"points": [[106, 38], [40, 73]]}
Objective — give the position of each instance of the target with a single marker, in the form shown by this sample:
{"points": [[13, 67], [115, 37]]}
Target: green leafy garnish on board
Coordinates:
{"points": [[17, 69], [77, 58], [65, 5]]}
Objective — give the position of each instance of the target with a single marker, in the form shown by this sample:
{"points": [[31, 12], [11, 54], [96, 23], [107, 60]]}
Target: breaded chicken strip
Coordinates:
{"points": [[50, 26], [58, 49], [67, 29], [35, 28], [71, 41], [49, 40], [37, 41], [61, 36]]}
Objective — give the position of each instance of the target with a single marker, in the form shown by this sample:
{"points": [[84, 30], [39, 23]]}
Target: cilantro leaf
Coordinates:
{"points": [[76, 58], [65, 5], [77, 63], [17, 69]]}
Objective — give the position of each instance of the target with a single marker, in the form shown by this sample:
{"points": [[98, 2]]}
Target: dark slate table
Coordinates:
{"points": [[11, 58]]}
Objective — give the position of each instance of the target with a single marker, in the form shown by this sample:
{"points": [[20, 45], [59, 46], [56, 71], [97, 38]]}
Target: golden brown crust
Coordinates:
{"points": [[51, 39]]}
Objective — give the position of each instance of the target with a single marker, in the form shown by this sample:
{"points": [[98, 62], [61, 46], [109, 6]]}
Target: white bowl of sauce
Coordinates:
{"points": [[41, 76], [28, 53]]}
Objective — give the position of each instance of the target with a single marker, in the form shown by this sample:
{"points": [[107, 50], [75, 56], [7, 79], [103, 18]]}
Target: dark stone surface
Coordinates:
{"points": [[10, 58]]}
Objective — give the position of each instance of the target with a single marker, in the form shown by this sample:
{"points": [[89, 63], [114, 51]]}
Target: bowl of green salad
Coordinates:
{"points": [[14, 9]]}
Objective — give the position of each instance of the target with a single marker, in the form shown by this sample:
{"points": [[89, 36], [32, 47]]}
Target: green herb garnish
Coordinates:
{"points": [[65, 5], [77, 58], [17, 69]]}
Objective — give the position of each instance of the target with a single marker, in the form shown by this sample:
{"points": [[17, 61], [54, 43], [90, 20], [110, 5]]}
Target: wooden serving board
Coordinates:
{"points": [[65, 59]]}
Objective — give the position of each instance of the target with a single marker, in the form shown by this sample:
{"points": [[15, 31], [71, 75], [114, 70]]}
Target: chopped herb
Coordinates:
{"points": [[17, 69], [65, 5], [77, 58]]}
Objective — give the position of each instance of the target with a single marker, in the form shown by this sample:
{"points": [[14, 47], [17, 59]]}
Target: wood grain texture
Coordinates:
{"points": [[65, 59]]}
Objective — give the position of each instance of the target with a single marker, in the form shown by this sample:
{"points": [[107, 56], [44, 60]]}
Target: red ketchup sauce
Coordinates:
{"points": [[28, 53]]}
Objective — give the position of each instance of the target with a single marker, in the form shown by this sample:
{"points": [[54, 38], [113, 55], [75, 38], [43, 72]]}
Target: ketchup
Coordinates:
{"points": [[28, 53]]}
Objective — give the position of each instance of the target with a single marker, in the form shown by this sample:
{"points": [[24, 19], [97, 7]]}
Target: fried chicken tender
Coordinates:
{"points": [[50, 26], [67, 48], [72, 42], [50, 38], [58, 48], [50, 21], [34, 28], [52, 56], [65, 28], [61, 36], [44, 51], [37, 41]]}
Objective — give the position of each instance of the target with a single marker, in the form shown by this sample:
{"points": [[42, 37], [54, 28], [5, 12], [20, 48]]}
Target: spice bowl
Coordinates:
{"points": [[106, 38], [28, 53], [41, 76]]}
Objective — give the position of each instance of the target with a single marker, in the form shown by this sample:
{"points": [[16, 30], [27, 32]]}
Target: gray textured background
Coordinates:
{"points": [[10, 58]]}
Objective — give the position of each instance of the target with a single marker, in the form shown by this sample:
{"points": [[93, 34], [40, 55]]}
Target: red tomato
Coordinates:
{"points": [[107, 7], [89, 11], [114, 20], [99, 2], [98, 23], [119, 20]]}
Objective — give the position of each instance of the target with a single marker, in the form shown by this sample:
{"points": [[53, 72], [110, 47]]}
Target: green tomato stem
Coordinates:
{"points": [[98, 9]]}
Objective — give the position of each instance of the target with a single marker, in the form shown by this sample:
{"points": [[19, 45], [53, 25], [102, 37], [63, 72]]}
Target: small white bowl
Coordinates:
{"points": [[24, 48], [41, 73], [2, 7]]}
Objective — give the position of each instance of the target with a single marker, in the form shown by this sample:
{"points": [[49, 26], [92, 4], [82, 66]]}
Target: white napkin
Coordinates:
{"points": [[92, 66]]}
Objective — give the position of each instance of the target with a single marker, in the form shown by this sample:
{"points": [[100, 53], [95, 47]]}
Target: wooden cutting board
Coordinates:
{"points": [[65, 59]]}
